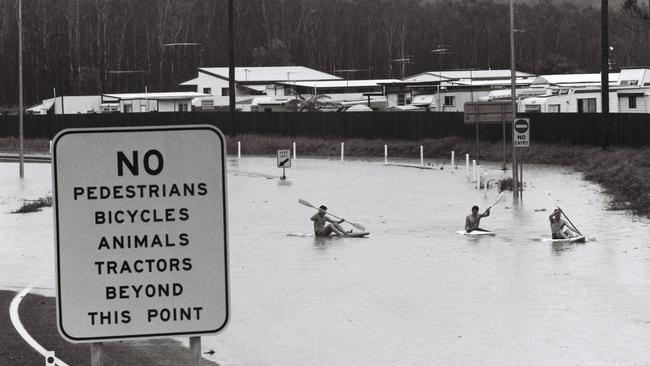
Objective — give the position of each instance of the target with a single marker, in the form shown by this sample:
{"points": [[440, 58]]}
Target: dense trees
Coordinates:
{"points": [[92, 46]]}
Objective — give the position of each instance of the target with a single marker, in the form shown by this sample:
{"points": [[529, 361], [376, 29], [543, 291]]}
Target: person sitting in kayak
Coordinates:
{"points": [[320, 219], [472, 221], [558, 226]]}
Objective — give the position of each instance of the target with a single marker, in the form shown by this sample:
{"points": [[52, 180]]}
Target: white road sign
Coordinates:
{"points": [[522, 132], [141, 235], [284, 159]]}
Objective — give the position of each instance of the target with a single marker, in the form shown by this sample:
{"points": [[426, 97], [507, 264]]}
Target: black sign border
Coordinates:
{"points": [[70, 131]]}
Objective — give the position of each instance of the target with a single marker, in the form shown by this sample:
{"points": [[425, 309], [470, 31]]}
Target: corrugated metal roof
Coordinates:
{"points": [[574, 78], [465, 74], [270, 73], [161, 95], [341, 83]]}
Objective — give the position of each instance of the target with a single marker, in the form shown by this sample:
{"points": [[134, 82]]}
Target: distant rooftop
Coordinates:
{"points": [[268, 74], [159, 95], [340, 83], [572, 79], [466, 74]]}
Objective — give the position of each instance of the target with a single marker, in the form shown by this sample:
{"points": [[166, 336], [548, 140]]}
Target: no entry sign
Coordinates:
{"points": [[141, 235], [522, 132]]}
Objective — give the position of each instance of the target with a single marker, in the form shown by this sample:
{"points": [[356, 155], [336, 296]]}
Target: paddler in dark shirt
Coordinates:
{"points": [[320, 220], [472, 221]]}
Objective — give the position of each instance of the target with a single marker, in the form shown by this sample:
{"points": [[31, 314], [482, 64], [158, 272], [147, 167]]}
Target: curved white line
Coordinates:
{"points": [[15, 320]]}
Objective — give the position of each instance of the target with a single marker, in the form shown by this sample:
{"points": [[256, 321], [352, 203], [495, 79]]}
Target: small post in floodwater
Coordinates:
{"points": [[467, 162], [385, 154], [238, 149], [195, 351], [421, 155], [474, 170], [478, 177], [453, 163], [96, 354], [294, 151], [342, 150]]}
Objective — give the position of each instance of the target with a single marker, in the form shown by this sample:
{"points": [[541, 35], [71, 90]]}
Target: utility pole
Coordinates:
{"points": [[604, 68], [231, 60], [20, 90], [513, 95]]}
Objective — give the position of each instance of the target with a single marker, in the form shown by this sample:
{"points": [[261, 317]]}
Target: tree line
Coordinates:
{"points": [[76, 47]]}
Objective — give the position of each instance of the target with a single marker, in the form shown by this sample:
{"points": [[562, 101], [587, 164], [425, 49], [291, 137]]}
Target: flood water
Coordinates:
{"points": [[414, 292]]}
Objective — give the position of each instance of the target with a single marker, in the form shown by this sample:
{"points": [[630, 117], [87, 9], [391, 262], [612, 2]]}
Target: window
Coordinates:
{"points": [[587, 105], [182, 107], [225, 92], [450, 101], [533, 108], [207, 90], [553, 108], [631, 102], [401, 99], [207, 105], [128, 108]]}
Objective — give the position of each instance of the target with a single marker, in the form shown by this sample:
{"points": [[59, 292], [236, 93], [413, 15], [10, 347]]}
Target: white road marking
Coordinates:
{"points": [[15, 320]]}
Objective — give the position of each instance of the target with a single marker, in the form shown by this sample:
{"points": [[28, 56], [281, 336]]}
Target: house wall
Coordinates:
{"points": [[77, 104], [642, 104]]}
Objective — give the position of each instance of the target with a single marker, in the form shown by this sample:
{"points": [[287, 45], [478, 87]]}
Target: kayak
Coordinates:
{"points": [[475, 232], [579, 239], [360, 234]]}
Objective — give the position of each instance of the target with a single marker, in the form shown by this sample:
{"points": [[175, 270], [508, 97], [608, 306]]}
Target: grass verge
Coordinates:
{"points": [[38, 315]]}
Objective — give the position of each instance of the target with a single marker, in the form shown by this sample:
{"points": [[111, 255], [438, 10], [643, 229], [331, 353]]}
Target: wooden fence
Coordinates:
{"points": [[570, 128]]}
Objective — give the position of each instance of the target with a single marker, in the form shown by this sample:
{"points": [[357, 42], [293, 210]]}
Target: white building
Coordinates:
{"points": [[448, 91], [580, 93], [119, 102], [253, 80]]}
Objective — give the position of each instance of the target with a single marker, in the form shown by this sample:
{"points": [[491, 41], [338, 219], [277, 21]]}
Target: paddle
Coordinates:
{"points": [[567, 217], [360, 227], [494, 203]]}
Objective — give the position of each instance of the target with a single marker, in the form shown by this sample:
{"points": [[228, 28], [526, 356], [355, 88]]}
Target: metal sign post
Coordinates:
{"points": [[140, 233], [521, 139], [284, 161]]}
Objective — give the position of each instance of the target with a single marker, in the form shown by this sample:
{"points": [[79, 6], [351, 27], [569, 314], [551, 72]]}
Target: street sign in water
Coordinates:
{"points": [[522, 132], [284, 159], [141, 235]]}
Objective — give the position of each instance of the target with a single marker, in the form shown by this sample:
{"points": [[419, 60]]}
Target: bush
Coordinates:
{"points": [[34, 205]]}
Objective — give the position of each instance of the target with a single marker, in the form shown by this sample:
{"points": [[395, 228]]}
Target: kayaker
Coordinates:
{"points": [[560, 229], [320, 220], [472, 221]]}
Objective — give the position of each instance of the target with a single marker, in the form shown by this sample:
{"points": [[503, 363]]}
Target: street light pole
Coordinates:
{"points": [[231, 60], [20, 90], [513, 96]]}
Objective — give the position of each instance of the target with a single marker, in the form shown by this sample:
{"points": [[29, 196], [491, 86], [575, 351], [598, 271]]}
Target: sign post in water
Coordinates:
{"points": [[284, 161]]}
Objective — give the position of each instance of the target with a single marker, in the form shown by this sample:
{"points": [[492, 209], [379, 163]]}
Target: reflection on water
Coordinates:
{"points": [[414, 292]]}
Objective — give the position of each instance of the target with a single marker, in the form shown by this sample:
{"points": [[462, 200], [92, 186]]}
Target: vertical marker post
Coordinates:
{"points": [[96, 354], [195, 351], [467, 162], [294, 151], [342, 150], [474, 170], [385, 154], [453, 162], [478, 177], [238, 149], [421, 155]]}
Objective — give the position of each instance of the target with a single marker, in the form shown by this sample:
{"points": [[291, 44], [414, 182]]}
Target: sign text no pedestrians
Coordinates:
{"points": [[141, 236]]}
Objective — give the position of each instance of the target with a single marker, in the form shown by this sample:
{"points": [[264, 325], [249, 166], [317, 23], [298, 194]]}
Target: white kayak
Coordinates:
{"points": [[362, 234], [475, 232], [578, 239]]}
